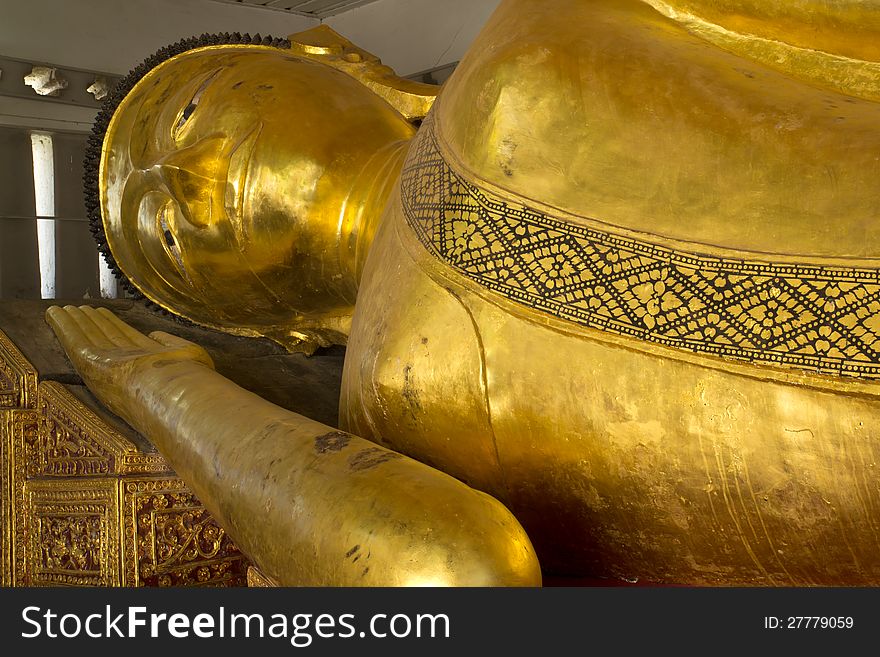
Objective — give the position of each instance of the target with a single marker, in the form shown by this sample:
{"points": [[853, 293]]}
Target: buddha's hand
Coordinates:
{"points": [[109, 354]]}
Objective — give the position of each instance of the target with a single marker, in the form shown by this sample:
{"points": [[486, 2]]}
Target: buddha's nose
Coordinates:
{"points": [[191, 176]]}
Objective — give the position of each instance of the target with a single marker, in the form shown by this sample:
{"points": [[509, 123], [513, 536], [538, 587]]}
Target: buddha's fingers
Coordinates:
{"points": [[89, 328], [108, 328], [139, 339], [70, 335]]}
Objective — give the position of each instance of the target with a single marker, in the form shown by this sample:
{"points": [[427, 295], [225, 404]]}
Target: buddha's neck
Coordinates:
{"points": [[363, 209], [835, 43]]}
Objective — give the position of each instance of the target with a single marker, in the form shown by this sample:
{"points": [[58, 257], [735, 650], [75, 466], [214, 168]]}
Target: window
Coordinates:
{"points": [[44, 201], [46, 248]]}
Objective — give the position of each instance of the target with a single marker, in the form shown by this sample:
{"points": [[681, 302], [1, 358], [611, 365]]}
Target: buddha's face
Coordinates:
{"points": [[225, 178]]}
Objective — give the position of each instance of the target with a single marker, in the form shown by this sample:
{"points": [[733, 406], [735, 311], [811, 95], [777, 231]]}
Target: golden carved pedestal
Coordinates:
{"points": [[85, 505], [86, 500]]}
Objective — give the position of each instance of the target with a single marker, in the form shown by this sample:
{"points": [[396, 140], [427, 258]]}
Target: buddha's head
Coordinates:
{"points": [[237, 185]]}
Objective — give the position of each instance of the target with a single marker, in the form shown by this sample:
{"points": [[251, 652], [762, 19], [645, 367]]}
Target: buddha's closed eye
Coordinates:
{"points": [[190, 108]]}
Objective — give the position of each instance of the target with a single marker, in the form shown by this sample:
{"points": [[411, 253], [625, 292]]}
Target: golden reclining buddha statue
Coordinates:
{"points": [[611, 301]]}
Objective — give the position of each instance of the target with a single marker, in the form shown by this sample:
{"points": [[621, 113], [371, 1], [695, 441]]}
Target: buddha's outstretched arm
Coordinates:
{"points": [[310, 505]]}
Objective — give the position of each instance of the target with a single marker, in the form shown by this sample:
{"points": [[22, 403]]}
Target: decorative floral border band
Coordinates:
{"points": [[825, 319]]}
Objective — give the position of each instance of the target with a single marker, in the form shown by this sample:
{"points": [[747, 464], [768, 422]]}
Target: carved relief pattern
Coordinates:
{"points": [[6, 503], [143, 464], [72, 441], [812, 317], [65, 448], [18, 379], [22, 426], [175, 540], [70, 543], [9, 397], [71, 533], [257, 580]]}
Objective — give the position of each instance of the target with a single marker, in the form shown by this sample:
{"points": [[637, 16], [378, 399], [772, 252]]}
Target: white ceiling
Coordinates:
{"points": [[314, 8]]}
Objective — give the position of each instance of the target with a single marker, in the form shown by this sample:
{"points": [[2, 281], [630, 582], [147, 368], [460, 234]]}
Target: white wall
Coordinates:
{"points": [[412, 36], [113, 36]]}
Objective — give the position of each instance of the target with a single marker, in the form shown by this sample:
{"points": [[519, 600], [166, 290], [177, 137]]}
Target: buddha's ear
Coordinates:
{"points": [[412, 99]]}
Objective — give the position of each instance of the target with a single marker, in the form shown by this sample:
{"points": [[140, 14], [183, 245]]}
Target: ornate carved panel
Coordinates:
{"points": [[18, 379], [171, 540], [16, 428], [9, 394], [72, 538], [6, 526], [73, 441], [77, 508]]}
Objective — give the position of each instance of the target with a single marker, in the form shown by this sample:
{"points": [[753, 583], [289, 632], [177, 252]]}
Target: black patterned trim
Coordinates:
{"points": [[825, 319]]}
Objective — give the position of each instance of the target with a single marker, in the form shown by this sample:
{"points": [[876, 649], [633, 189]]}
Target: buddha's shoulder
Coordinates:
{"points": [[613, 113]]}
